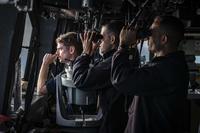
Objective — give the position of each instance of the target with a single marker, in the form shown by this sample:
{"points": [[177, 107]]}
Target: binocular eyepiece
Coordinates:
{"points": [[97, 37]]}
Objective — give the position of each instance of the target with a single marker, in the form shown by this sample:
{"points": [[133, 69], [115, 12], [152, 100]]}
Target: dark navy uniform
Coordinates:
{"points": [[160, 89], [97, 77]]}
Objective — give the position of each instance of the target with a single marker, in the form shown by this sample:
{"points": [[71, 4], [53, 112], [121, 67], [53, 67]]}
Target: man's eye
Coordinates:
{"points": [[99, 41]]}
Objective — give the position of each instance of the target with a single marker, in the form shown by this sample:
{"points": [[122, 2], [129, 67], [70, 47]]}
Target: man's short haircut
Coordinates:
{"points": [[71, 39], [174, 29], [115, 27]]}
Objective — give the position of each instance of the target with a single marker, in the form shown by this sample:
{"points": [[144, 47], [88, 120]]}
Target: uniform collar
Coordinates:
{"points": [[170, 55], [109, 53]]}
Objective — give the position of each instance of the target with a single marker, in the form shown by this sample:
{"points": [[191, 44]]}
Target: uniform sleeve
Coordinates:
{"points": [[51, 86], [142, 81], [89, 77]]}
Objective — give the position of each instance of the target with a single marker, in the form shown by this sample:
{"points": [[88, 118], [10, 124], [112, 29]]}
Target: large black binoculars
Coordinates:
{"points": [[143, 33], [96, 37]]}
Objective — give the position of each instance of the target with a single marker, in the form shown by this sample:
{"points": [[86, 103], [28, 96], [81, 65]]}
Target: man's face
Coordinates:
{"points": [[63, 52], [106, 43], [155, 38]]}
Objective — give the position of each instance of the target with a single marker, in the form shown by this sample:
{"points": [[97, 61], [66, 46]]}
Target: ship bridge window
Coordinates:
{"points": [[145, 55], [25, 45], [197, 60]]}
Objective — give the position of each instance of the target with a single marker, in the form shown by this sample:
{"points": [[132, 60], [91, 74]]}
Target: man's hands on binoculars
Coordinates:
{"points": [[89, 42], [128, 37]]}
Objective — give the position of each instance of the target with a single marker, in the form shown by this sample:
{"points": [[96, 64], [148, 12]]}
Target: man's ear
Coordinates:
{"points": [[71, 49], [112, 39], [164, 39]]}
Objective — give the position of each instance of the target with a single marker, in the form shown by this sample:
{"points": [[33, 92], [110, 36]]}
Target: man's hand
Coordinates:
{"points": [[43, 74], [127, 36], [49, 58], [88, 45]]}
